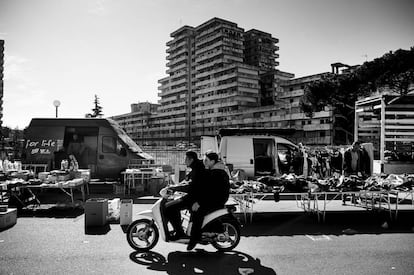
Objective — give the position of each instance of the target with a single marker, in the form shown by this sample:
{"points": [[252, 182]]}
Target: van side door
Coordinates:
{"points": [[239, 153]]}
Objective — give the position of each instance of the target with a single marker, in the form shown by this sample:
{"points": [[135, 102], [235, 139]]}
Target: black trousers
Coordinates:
{"points": [[197, 218], [173, 214]]}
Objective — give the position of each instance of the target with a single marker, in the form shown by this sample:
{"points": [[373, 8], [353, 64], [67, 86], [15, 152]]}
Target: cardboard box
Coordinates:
{"points": [[63, 177], [85, 174], [8, 218], [126, 212], [96, 211]]}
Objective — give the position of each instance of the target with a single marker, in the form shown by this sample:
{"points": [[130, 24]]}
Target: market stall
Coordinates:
{"points": [[144, 179], [386, 192], [387, 121], [22, 188]]}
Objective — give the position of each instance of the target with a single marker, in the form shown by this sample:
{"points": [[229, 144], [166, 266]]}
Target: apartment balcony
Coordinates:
{"points": [[216, 105], [289, 94], [200, 75], [200, 40], [176, 105], [177, 75], [177, 68], [209, 64], [181, 59], [219, 43], [177, 53], [318, 127], [174, 46], [201, 58], [173, 113], [209, 30], [174, 91], [215, 97], [178, 82], [249, 90], [216, 88], [168, 100], [165, 85], [216, 79]]}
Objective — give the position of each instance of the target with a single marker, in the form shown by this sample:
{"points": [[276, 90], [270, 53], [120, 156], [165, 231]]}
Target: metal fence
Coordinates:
{"points": [[168, 155]]}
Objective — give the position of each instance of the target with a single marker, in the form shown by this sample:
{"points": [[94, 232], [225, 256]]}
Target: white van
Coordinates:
{"points": [[255, 154]]}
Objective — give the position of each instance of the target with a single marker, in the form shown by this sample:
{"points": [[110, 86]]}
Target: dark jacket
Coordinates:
{"points": [[217, 190], [197, 179], [297, 163], [363, 164]]}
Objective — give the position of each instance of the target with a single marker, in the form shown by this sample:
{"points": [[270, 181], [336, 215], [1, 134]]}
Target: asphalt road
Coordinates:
{"points": [[55, 242]]}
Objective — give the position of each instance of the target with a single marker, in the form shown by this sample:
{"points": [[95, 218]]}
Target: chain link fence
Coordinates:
{"points": [[168, 155]]}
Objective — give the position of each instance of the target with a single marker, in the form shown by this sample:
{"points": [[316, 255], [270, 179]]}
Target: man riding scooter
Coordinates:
{"points": [[196, 180], [215, 195]]}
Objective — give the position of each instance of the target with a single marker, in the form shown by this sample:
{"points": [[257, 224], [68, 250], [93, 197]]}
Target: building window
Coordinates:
{"points": [[322, 134]]}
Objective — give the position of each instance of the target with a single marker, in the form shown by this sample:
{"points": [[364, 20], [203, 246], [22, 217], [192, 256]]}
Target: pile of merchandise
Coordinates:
{"points": [[290, 183]]}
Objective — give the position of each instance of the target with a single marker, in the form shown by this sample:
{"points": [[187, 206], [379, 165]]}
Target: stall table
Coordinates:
{"points": [[318, 202], [66, 187], [134, 176]]}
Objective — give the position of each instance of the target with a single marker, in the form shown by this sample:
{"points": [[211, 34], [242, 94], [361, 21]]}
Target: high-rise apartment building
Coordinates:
{"points": [[207, 77], [220, 76], [260, 50]]}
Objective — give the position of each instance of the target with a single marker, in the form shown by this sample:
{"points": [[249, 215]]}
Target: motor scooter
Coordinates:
{"points": [[219, 228]]}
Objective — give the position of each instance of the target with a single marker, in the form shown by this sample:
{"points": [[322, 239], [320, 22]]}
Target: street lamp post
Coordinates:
{"points": [[56, 103]]}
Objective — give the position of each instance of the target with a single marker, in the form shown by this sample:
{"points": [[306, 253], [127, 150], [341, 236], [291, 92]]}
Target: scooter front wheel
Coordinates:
{"points": [[142, 235], [230, 237]]}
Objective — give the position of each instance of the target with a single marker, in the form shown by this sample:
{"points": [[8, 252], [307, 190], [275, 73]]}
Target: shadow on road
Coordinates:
{"points": [[348, 223], [202, 262], [52, 211]]}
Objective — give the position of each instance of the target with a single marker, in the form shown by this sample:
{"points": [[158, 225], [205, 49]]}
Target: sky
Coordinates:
{"points": [[72, 50]]}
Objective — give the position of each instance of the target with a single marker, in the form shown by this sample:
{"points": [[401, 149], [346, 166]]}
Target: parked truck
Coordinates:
{"points": [[387, 121], [255, 151], [98, 144]]}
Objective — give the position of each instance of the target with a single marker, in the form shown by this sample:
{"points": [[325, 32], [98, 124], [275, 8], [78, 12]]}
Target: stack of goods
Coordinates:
{"points": [[390, 182], [298, 184]]}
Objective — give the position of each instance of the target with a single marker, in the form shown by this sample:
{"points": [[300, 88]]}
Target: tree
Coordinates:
{"points": [[97, 111], [392, 70]]}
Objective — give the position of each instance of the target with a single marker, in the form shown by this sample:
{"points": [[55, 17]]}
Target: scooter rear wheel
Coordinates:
{"points": [[232, 233], [142, 235]]}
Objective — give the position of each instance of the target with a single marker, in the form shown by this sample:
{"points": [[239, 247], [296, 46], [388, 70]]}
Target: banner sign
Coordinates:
{"points": [[44, 146]]}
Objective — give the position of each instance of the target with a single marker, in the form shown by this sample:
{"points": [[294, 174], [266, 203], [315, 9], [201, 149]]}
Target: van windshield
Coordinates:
{"points": [[124, 137]]}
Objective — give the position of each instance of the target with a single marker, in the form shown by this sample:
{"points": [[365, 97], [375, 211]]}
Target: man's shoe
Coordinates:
{"points": [[191, 245], [178, 236]]}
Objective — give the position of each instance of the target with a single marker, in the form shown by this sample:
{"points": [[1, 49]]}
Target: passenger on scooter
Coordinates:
{"points": [[215, 195], [194, 189]]}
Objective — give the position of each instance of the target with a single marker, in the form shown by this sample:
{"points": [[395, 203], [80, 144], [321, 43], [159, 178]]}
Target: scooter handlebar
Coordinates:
{"points": [[166, 192]]}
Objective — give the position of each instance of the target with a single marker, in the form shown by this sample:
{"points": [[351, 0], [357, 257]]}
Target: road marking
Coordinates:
{"points": [[1, 241], [319, 238]]}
